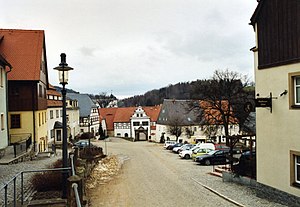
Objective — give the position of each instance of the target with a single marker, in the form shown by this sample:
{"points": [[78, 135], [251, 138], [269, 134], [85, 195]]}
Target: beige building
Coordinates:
{"points": [[277, 78], [27, 87]]}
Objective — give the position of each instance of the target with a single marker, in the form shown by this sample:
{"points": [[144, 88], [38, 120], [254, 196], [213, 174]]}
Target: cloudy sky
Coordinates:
{"points": [[129, 47]]}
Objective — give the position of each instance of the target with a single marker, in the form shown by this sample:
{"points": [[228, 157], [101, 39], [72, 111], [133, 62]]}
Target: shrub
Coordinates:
{"points": [[87, 135], [49, 180]]}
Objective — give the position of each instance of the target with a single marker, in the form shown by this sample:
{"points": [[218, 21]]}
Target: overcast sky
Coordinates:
{"points": [[132, 46]]}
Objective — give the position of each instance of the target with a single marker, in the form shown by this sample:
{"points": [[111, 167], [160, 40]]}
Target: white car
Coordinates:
{"points": [[187, 154], [183, 147], [167, 143]]}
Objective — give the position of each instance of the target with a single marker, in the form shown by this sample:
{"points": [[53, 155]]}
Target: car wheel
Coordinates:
{"points": [[187, 156], [207, 162]]}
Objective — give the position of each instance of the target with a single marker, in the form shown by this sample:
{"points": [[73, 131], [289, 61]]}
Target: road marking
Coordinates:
{"points": [[219, 194]]}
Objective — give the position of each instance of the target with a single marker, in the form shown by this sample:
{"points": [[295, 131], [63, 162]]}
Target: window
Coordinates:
{"points": [[52, 133], [295, 168], [57, 113], [294, 90], [145, 123], [58, 135], [297, 90], [2, 122], [51, 114], [15, 121], [40, 91], [135, 123]]}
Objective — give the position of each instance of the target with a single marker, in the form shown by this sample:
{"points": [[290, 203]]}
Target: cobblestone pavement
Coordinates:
{"points": [[153, 176]]}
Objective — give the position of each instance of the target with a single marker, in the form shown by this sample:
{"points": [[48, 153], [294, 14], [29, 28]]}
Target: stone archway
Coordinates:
{"points": [[141, 134]]}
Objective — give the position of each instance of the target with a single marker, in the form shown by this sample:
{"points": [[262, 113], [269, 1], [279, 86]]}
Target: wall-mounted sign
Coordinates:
{"points": [[263, 102]]}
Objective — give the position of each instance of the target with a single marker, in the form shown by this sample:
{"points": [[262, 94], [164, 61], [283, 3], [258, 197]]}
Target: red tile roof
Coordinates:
{"points": [[124, 114], [108, 114], [54, 103], [23, 50], [213, 116], [52, 91], [152, 112], [121, 115]]}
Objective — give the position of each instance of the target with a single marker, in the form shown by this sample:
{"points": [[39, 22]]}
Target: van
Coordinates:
{"points": [[206, 146]]}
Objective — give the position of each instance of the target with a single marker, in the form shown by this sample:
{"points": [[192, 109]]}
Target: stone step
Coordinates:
{"points": [[56, 202]]}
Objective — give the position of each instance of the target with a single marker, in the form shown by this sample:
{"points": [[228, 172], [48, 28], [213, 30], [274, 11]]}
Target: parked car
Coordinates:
{"points": [[183, 147], [170, 147], [213, 157], [82, 144], [221, 147], [206, 146], [168, 143], [187, 154], [246, 165], [200, 151]]}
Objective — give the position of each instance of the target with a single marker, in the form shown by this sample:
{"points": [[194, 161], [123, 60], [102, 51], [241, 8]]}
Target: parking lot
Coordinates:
{"points": [[153, 176]]}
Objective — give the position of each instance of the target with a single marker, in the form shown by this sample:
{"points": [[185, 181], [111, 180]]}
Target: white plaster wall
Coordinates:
{"points": [[3, 110]]}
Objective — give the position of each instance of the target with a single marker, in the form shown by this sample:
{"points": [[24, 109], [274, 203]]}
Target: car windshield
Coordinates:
{"points": [[212, 152]]}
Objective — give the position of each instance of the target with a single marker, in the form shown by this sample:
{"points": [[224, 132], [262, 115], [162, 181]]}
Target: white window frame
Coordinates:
{"points": [[295, 89], [295, 166]]}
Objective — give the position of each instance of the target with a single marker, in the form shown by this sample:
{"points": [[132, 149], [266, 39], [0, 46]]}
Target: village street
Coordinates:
{"points": [[153, 176]]}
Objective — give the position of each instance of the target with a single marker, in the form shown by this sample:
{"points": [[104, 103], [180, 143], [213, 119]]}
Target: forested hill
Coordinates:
{"points": [[181, 91]]}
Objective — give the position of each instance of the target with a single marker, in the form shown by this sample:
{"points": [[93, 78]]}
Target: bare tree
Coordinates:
{"points": [[175, 127], [223, 96]]}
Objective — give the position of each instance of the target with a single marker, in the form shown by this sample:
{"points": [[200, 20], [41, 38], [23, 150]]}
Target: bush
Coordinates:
{"points": [[87, 135], [48, 181]]}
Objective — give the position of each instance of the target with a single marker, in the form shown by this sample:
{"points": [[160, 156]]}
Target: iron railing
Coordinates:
{"points": [[14, 195]]}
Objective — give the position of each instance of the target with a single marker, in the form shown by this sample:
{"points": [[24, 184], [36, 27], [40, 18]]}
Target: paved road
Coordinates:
{"points": [[152, 176]]}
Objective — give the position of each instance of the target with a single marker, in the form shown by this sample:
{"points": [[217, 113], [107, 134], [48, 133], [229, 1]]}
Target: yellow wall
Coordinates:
{"points": [[277, 132], [27, 127]]}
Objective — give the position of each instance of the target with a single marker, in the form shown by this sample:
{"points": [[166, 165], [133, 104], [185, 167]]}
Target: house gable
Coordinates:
{"points": [[278, 29]]}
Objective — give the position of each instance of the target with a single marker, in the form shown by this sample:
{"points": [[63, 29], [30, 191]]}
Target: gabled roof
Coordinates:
{"points": [[53, 102], [85, 103], [108, 114], [177, 111], [23, 49], [256, 12], [152, 112], [124, 114]]}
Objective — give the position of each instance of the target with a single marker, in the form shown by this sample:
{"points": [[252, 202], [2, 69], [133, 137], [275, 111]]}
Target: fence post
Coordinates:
{"points": [[70, 192]]}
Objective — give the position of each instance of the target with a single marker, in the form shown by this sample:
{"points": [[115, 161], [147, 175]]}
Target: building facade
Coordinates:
{"points": [[72, 118], [89, 120], [27, 86], [277, 76], [54, 116]]}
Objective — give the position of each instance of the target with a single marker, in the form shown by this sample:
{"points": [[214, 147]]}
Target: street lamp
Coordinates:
{"points": [[63, 69]]}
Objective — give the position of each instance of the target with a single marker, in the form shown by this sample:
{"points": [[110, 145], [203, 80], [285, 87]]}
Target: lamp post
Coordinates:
{"points": [[63, 69]]}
